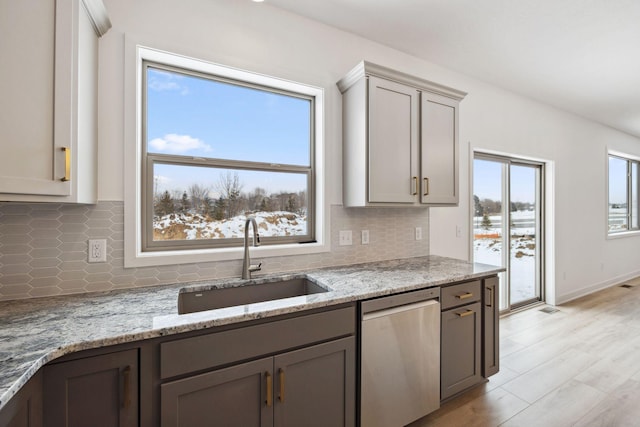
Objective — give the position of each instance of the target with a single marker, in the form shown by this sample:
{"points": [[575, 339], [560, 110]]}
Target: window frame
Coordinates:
{"points": [[632, 209], [135, 161], [150, 159]]}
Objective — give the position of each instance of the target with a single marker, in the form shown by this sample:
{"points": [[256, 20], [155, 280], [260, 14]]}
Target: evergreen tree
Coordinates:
{"points": [[164, 206], [486, 222], [184, 203]]}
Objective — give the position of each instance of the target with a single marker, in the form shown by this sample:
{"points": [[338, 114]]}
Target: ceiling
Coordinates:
{"points": [[578, 55]]}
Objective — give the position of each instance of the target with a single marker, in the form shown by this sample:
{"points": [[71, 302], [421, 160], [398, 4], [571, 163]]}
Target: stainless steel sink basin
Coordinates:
{"points": [[192, 301]]}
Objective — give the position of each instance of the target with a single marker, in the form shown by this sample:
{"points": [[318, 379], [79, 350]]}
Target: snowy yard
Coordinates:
{"points": [[488, 247]]}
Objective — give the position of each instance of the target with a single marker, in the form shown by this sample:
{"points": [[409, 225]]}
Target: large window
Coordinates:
{"points": [[623, 194], [219, 144]]}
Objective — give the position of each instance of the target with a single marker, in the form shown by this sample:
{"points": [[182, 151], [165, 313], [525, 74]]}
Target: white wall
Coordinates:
{"points": [[261, 38]]}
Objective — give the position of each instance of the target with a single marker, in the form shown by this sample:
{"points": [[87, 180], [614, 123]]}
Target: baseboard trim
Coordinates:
{"points": [[563, 299]]}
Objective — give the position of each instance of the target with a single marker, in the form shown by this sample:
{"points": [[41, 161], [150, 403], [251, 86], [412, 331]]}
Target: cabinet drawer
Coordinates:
{"points": [[219, 348], [456, 295]]}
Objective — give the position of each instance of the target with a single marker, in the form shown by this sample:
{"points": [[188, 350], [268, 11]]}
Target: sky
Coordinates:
{"points": [[487, 181], [197, 117]]}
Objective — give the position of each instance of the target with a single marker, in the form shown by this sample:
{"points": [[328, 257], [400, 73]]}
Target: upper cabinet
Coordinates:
{"points": [[400, 139], [48, 114]]}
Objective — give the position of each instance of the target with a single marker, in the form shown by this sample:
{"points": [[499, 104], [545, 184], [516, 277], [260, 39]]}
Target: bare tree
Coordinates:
{"points": [[230, 187], [199, 196]]}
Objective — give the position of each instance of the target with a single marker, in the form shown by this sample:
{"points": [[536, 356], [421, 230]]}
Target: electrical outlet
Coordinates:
{"points": [[97, 250], [345, 238], [418, 233], [365, 237]]}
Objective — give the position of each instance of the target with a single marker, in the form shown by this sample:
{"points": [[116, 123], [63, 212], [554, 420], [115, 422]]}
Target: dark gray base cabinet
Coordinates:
{"points": [[490, 328], [309, 387], [25, 408], [470, 335], [99, 391], [460, 362]]}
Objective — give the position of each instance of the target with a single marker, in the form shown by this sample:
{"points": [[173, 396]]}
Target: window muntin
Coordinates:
{"points": [[201, 131], [622, 195]]}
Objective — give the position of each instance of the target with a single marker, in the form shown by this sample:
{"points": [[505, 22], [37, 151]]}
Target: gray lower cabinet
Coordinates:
{"points": [[313, 386], [93, 391], [490, 327], [235, 396], [461, 324], [25, 408]]}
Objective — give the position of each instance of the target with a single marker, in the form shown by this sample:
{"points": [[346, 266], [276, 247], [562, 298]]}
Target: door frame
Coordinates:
{"points": [[543, 215]]}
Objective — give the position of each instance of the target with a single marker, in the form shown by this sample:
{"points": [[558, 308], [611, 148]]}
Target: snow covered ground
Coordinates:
{"points": [[488, 247], [187, 226]]}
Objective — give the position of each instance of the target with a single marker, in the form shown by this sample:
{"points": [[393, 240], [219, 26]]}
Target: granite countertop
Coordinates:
{"points": [[36, 331]]}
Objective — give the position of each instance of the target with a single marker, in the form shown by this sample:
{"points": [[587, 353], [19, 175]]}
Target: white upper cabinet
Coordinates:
{"points": [[48, 112], [400, 139]]}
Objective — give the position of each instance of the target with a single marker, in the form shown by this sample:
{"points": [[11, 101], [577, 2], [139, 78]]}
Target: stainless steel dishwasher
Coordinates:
{"points": [[400, 355]]}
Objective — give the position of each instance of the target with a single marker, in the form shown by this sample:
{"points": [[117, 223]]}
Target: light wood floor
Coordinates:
{"points": [[579, 366]]}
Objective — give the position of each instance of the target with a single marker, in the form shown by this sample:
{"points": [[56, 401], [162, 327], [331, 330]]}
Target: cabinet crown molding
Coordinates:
{"points": [[366, 68], [98, 15]]}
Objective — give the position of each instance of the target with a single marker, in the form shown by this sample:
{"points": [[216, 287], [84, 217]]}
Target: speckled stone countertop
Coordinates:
{"points": [[36, 331]]}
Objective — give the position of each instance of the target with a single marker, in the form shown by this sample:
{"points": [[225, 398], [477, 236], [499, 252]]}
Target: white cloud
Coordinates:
{"points": [[178, 144], [160, 81]]}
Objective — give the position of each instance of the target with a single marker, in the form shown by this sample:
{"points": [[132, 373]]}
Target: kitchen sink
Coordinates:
{"points": [[210, 299]]}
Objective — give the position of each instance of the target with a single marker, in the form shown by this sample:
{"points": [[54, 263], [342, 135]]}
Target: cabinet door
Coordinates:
{"points": [[490, 328], [439, 149], [461, 351], [49, 110], [25, 408], [315, 386], [29, 162], [94, 391], [393, 142], [237, 396]]}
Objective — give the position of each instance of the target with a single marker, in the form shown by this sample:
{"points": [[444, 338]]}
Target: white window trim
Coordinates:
{"points": [[135, 53], [618, 234]]}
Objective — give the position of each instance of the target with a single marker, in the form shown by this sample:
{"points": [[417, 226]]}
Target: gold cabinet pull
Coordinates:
{"points": [[426, 186], [269, 381], [465, 313], [281, 374], [490, 302], [126, 385], [465, 296], [415, 185], [67, 164]]}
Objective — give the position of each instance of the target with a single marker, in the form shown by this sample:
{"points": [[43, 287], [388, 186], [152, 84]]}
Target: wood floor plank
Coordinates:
{"points": [[539, 381], [620, 409], [490, 409], [563, 406]]}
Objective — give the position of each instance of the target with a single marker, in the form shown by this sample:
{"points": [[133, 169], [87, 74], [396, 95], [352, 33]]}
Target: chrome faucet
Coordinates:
{"points": [[247, 268]]}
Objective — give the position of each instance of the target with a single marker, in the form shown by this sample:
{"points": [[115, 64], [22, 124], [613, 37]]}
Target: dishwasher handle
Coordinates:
{"points": [[399, 309], [397, 300]]}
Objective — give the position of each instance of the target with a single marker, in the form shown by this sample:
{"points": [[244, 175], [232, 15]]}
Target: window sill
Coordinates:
{"points": [[623, 234], [152, 259]]}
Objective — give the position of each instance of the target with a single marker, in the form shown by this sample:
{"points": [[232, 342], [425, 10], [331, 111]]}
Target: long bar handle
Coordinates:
{"points": [[269, 381], [490, 302], [126, 385], [465, 296], [465, 313], [67, 164], [281, 374], [415, 186], [426, 186]]}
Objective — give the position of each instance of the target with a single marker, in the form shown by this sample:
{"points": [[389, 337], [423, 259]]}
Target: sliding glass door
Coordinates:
{"points": [[507, 224]]}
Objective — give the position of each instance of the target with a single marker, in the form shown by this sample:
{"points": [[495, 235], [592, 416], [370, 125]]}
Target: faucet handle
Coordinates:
{"points": [[255, 267]]}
